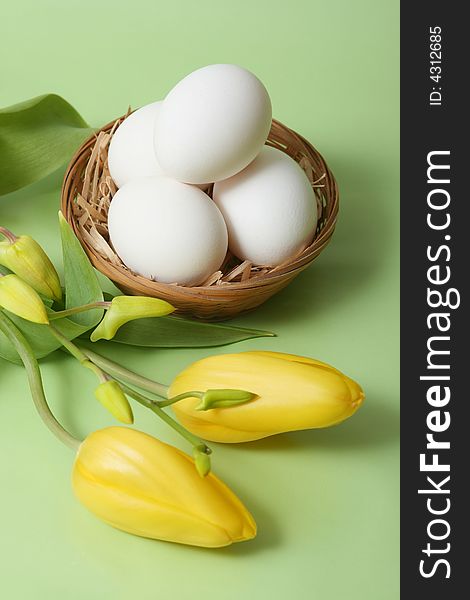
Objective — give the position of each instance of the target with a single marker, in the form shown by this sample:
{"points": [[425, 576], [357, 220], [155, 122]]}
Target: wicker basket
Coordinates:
{"points": [[88, 189]]}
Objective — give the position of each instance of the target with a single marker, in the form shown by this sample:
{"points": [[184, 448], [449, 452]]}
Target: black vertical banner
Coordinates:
{"points": [[435, 270]]}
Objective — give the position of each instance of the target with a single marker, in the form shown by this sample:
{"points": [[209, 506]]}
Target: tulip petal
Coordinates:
{"points": [[26, 258], [129, 308], [145, 487], [150, 518], [293, 392], [22, 300], [111, 396]]}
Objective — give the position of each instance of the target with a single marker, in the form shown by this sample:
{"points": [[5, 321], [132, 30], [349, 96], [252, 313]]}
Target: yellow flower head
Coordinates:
{"points": [[26, 258], [291, 393], [129, 308], [138, 484], [21, 299], [111, 396]]}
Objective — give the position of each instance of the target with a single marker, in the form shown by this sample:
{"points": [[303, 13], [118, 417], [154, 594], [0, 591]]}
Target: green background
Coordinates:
{"points": [[326, 501]]}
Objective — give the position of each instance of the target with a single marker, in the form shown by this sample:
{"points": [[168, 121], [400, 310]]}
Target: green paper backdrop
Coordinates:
{"points": [[326, 502]]}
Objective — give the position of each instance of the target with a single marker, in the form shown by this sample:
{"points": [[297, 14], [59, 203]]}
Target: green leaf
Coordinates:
{"points": [[175, 332], [81, 282], [41, 341], [47, 301], [81, 287], [36, 137]]}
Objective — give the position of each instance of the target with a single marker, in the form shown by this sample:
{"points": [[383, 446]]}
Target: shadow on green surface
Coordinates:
{"points": [[105, 544], [373, 425], [316, 291]]}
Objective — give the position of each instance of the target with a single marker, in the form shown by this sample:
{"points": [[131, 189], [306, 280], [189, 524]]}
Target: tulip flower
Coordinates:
{"points": [[123, 309], [290, 393], [21, 299], [25, 257], [140, 485], [111, 396]]}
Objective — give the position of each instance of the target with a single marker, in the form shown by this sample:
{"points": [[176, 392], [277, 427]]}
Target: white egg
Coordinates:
{"points": [[167, 231], [269, 208], [131, 150], [212, 124]]}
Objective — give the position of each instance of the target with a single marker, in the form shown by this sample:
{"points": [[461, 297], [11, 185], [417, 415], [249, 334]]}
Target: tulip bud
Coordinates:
{"points": [[20, 299], [111, 396], [140, 485], [129, 308], [292, 393], [202, 459], [223, 399], [27, 259]]}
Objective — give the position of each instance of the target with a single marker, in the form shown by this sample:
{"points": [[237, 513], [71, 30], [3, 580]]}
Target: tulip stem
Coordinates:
{"points": [[155, 407], [121, 373], [170, 401], [78, 354], [77, 309], [9, 235], [33, 372]]}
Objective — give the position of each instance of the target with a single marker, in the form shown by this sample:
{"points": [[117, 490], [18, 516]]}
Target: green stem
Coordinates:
{"points": [[77, 353], [9, 235], [120, 372], [154, 406], [33, 372], [170, 401], [78, 309]]}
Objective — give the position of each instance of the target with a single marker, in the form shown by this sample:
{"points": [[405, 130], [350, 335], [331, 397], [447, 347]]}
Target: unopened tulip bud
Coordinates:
{"points": [[202, 459], [129, 308], [111, 396], [138, 484], [25, 257], [292, 393], [21, 299], [223, 399]]}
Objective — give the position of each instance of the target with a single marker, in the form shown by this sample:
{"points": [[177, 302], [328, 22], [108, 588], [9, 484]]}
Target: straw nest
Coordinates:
{"points": [[238, 286]]}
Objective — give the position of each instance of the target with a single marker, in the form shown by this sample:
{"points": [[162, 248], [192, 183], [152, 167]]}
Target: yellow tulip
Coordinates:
{"points": [[21, 299], [138, 484], [26, 258], [292, 393], [129, 308], [111, 396]]}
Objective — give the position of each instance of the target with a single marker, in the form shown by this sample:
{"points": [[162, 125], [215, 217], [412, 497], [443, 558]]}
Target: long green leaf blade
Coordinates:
{"points": [[36, 137], [174, 332], [41, 341], [81, 282]]}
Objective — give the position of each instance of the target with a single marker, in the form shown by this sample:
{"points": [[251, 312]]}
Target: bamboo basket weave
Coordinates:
{"points": [[239, 286]]}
